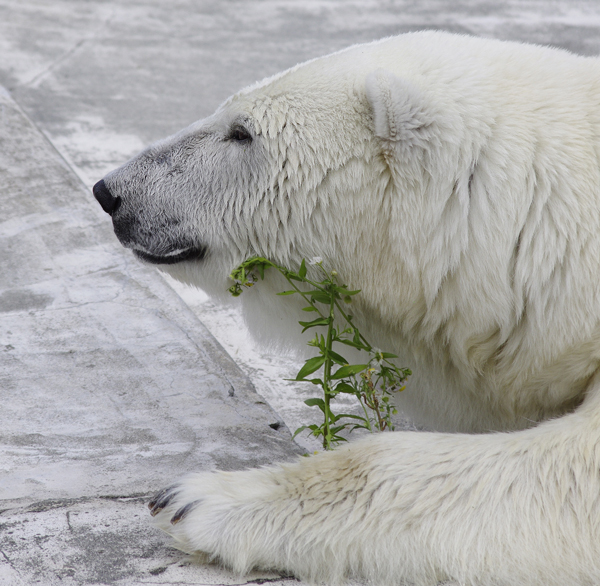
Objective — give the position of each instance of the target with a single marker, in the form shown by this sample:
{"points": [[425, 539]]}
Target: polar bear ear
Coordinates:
{"points": [[401, 112]]}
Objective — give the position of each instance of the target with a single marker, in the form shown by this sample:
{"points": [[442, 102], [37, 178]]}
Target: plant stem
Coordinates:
{"points": [[327, 376], [364, 408]]}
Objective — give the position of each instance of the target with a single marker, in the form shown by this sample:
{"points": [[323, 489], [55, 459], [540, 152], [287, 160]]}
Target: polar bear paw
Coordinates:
{"points": [[195, 512], [225, 516], [299, 519]]}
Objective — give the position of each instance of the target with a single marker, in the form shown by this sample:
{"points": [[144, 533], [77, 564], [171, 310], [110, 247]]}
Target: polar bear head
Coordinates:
{"points": [[307, 163]]}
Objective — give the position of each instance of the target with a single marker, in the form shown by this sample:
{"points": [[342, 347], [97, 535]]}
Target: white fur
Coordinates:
{"points": [[456, 182]]}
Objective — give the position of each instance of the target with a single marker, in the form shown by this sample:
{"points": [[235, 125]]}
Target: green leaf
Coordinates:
{"points": [[315, 381], [349, 370], [358, 426], [302, 270], [310, 366], [299, 430], [320, 296], [315, 401], [334, 431], [309, 308], [350, 416], [320, 321], [337, 357], [358, 344], [345, 388], [316, 431], [388, 355]]}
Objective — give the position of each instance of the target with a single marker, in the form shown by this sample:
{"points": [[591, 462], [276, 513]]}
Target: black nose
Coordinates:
{"points": [[110, 204]]}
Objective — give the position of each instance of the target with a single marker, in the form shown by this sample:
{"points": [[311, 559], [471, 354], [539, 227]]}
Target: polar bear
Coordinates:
{"points": [[456, 182]]}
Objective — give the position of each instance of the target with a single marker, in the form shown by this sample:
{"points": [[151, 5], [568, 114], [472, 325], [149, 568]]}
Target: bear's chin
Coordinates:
{"points": [[170, 259]]}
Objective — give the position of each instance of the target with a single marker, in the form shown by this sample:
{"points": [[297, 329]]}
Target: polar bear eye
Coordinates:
{"points": [[240, 134]]}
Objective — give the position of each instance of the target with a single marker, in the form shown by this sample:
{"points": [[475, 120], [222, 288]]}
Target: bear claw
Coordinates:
{"points": [[162, 499], [183, 511]]}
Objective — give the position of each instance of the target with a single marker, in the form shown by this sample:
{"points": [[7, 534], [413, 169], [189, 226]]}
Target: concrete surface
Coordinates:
{"points": [[110, 385]]}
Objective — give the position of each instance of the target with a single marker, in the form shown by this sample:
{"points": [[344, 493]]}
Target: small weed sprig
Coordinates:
{"points": [[371, 383]]}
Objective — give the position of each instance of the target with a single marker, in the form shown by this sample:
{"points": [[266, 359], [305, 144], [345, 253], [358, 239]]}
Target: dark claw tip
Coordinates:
{"points": [[183, 511], [162, 499]]}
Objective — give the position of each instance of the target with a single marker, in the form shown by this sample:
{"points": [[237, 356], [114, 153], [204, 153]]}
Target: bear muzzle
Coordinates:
{"points": [[159, 253]]}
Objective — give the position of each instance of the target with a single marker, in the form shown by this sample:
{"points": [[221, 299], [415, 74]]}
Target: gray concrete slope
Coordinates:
{"points": [[110, 386]]}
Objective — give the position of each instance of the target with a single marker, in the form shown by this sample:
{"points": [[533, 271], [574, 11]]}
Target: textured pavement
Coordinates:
{"points": [[110, 385]]}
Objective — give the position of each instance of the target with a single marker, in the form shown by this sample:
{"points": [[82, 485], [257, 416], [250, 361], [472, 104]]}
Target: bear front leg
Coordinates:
{"points": [[504, 509]]}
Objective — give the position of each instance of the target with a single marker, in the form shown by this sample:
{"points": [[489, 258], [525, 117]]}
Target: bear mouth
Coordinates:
{"points": [[172, 257]]}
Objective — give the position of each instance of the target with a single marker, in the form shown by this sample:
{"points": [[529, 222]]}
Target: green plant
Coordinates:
{"points": [[372, 383]]}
